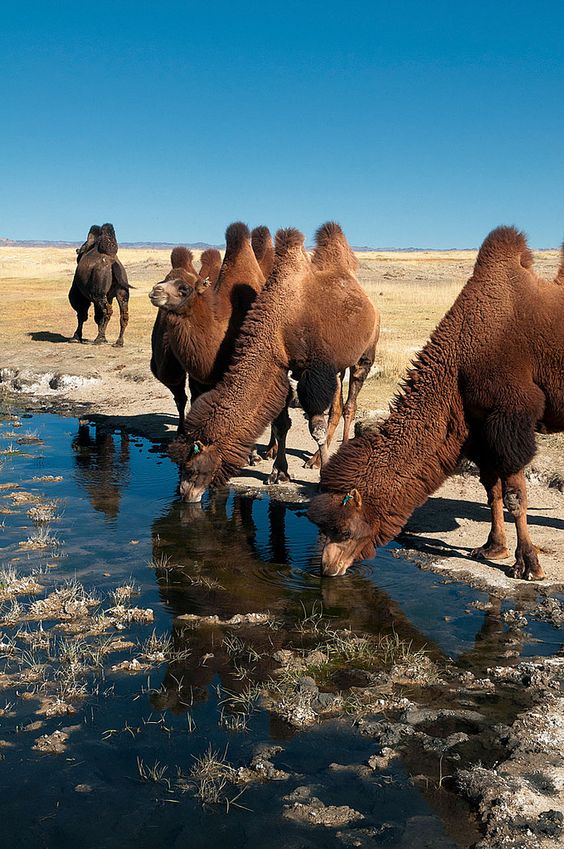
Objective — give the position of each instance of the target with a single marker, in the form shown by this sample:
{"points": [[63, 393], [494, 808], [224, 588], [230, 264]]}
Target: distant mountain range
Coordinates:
{"points": [[199, 246], [43, 243]]}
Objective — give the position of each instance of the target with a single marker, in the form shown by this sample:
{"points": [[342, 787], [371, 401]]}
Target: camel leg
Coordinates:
{"points": [[335, 411], [122, 297], [272, 447], [180, 399], [80, 305], [102, 314], [495, 547], [358, 374], [280, 427], [318, 428], [527, 564]]}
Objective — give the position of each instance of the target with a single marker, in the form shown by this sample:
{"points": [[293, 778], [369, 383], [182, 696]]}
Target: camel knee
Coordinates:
{"points": [[514, 502]]}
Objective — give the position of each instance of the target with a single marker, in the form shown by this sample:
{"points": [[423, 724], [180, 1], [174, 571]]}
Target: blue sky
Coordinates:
{"points": [[411, 123]]}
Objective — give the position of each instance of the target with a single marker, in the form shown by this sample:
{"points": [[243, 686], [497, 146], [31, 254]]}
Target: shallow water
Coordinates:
{"points": [[119, 511]]}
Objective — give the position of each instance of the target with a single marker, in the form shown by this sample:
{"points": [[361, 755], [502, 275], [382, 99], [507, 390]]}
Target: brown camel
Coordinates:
{"points": [[490, 375], [312, 318], [261, 241], [197, 323], [99, 278]]}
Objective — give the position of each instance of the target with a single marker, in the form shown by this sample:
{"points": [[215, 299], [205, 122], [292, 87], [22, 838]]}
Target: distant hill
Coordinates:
{"points": [[41, 243], [199, 246]]}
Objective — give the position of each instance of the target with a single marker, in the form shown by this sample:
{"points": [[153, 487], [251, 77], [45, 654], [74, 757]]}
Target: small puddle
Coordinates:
{"points": [[111, 517]]}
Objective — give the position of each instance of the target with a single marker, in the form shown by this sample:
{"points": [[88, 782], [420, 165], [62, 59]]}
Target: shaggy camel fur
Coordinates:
{"points": [[490, 375], [197, 323], [261, 241], [99, 278], [314, 320]]}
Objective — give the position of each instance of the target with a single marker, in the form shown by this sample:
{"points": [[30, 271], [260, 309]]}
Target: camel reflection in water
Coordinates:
{"points": [[102, 466], [223, 543]]}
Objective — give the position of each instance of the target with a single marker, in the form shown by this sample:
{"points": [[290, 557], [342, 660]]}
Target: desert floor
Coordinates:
{"points": [[412, 290]]}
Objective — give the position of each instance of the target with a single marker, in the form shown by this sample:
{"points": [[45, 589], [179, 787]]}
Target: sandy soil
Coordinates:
{"points": [[38, 362]]}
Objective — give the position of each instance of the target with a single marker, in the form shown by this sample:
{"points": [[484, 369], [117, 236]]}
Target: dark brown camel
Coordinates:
{"points": [[99, 278], [314, 320], [197, 323], [490, 375]]}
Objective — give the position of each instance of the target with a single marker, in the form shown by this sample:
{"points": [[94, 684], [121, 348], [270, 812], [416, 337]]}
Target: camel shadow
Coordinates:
{"points": [[47, 336], [160, 428], [442, 514]]}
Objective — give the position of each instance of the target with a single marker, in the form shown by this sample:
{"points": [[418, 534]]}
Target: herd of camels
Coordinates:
{"points": [[490, 376]]}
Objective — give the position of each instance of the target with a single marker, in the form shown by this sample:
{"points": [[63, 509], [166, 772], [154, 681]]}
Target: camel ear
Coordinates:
{"points": [[353, 497], [202, 285]]}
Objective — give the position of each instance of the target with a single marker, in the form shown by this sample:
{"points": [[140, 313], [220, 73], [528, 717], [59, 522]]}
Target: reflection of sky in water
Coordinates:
{"points": [[265, 554], [278, 542]]}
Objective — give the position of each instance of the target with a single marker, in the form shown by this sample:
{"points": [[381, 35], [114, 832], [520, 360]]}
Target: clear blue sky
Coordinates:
{"points": [[411, 123]]}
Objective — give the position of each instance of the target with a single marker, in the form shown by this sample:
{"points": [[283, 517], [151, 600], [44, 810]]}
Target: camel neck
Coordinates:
{"points": [[411, 453], [195, 338]]}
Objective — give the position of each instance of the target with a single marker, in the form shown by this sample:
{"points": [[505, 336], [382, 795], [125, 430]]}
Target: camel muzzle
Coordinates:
{"points": [[190, 493]]}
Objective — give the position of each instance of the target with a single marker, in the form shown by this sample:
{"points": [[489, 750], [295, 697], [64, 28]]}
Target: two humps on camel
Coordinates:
{"points": [[99, 278], [490, 376]]}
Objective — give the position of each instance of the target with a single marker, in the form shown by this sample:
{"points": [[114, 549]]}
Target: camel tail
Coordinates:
{"points": [[505, 246], [332, 250], [260, 240], [317, 385], [181, 257]]}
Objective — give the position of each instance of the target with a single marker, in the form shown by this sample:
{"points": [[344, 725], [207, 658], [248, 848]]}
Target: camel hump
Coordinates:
{"points": [[560, 272], [94, 232], [235, 237], [504, 245], [332, 249], [287, 239], [181, 257], [211, 264], [107, 243], [261, 240]]}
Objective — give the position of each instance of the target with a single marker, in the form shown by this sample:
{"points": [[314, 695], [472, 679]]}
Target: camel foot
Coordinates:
{"points": [[100, 340], [493, 551], [527, 566], [76, 339], [314, 462], [118, 343], [278, 476], [254, 458]]}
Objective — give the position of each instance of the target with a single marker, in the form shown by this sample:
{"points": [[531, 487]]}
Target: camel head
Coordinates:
{"points": [[178, 291], [198, 471], [347, 535]]}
